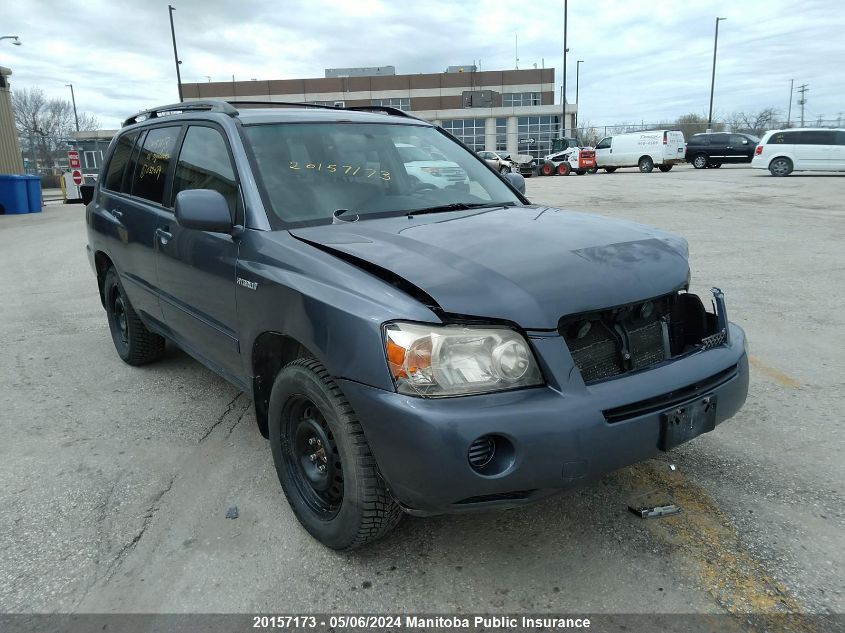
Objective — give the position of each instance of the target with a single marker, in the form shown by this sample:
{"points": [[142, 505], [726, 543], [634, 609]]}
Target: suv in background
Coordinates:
{"points": [[807, 149], [711, 149], [409, 346]]}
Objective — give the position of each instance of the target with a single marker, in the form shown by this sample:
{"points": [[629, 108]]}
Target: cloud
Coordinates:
{"points": [[641, 61]]}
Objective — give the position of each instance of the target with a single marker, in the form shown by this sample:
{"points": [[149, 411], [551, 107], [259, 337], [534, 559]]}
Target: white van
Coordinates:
{"points": [[663, 148], [803, 149]]}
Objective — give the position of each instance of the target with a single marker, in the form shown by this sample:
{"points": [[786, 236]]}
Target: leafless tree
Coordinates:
{"points": [[587, 135], [44, 125], [756, 123]]}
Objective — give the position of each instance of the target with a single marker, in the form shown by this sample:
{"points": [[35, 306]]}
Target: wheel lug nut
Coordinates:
{"points": [[313, 457], [321, 468], [311, 441]]}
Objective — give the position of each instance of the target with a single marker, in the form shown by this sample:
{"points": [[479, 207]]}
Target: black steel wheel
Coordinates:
{"points": [[610, 170], [311, 457], [664, 168], [134, 343], [323, 460]]}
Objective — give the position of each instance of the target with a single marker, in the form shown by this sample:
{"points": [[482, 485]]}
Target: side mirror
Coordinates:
{"points": [[517, 181], [203, 210]]}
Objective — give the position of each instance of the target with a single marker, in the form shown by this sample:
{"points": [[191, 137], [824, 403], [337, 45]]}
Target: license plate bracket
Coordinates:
{"points": [[683, 423]]}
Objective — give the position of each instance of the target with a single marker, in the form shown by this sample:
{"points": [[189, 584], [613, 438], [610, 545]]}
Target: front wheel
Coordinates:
{"points": [[134, 343], [664, 168], [780, 167], [610, 170], [547, 169], [563, 169], [323, 461], [504, 169], [646, 165]]}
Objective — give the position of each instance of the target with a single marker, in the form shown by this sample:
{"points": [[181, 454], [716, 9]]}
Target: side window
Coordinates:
{"points": [[604, 143], [153, 161], [719, 139], [698, 140], [784, 138], [204, 163], [817, 137], [840, 137], [737, 140], [119, 158]]}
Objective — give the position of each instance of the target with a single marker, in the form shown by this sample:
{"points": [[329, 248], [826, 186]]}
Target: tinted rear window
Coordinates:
{"points": [[784, 138], [153, 161], [119, 158], [817, 137]]}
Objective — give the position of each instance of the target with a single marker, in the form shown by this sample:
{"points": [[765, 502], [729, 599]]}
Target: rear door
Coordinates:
{"points": [[719, 148], [674, 147], [197, 270], [839, 150], [815, 150]]}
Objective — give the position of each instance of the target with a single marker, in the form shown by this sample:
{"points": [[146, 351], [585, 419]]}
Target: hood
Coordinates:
{"points": [[522, 158], [530, 265]]}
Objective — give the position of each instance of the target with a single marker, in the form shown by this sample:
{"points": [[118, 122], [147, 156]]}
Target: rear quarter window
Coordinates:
{"points": [[783, 138], [119, 159]]}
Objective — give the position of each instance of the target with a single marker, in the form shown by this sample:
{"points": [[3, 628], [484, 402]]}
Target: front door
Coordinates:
{"points": [[603, 150], [197, 269]]}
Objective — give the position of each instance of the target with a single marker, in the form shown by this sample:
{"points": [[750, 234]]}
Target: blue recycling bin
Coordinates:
{"points": [[33, 193], [13, 194]]}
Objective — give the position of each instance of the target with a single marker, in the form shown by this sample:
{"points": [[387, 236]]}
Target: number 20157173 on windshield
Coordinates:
{"points": [[346, 170]]}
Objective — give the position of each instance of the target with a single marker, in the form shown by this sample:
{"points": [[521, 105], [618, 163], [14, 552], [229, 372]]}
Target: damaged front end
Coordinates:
{"points": [[617, 341]]}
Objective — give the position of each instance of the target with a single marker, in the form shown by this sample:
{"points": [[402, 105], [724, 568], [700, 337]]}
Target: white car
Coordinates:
{"points": [[431, 172], [660, 148], [803, 149]]}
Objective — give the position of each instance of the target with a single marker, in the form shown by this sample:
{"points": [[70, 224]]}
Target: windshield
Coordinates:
{"points": [[311, 170]]}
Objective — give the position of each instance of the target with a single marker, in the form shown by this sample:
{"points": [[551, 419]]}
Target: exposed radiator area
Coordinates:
{"points": [[609, 343]]}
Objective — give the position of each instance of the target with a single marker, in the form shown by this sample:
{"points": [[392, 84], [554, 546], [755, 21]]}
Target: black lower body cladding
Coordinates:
{"points": [[632, 337]]}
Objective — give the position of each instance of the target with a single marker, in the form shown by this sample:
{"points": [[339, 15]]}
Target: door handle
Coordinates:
{"points": [[164, 236], [115, 213]]}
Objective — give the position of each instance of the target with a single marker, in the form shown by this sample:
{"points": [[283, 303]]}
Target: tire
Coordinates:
{"points": [[134, 343], [580, 172], [664, 168], [347, 504], [780, 166], [646, 165], [504, 169], [610, 170], [593, 170], [547, 169], [563, 169], [699, 161]]}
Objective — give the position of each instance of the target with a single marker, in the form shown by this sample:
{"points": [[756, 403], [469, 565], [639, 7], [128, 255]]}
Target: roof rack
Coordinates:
{"points": [[210, 105], [301, 104]]}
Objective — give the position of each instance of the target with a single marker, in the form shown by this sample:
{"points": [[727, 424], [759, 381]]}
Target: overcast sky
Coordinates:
{"points": [[642, 60]]}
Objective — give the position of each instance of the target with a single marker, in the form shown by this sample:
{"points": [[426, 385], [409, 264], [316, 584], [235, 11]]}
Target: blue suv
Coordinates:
{"points": [[412, 345]]}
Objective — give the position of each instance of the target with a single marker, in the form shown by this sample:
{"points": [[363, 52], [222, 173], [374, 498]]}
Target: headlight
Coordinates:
{"points": [[452, 360]]}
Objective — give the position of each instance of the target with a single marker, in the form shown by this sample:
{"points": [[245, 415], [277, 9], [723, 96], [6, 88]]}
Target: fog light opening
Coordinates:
{"points": [[490, 455]]}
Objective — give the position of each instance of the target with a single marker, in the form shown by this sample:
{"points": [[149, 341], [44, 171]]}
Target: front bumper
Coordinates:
{"points": [[559, 433]]}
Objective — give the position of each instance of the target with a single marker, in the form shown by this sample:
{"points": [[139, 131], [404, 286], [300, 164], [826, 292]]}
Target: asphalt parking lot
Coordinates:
{"points": [[115, 481]]}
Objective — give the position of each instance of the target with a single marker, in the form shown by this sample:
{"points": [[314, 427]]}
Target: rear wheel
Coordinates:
{"points": [[134, 343], [563, 169], [547, 169], [610, 170], [780, 167], [646, 165], [323, 461], [664, 168], [699, 161]]}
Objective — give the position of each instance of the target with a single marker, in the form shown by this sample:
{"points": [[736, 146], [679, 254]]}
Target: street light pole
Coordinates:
{"points": [[171, 9], [577, 84], [73, 99], [563, 87], [713, 77]]}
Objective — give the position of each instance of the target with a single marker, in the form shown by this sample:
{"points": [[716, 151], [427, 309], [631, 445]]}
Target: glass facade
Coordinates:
{"points": [[501, 134], [510, 99], [540, 129], [403, 103], [469, 131]]}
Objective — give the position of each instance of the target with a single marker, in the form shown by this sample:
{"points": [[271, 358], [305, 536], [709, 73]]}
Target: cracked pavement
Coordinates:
{"points": [[116, 480]]}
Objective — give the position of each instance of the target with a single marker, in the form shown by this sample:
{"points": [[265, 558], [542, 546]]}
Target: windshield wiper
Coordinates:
{"points": [[454, 206]]}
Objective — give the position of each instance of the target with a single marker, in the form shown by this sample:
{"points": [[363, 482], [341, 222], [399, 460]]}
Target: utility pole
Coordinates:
{"points": [[577, 85], [563, 87], [73, 99], [789, 111], [803, 89], [516, 51], [171, 9], [713, 76], [839, 118]]}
